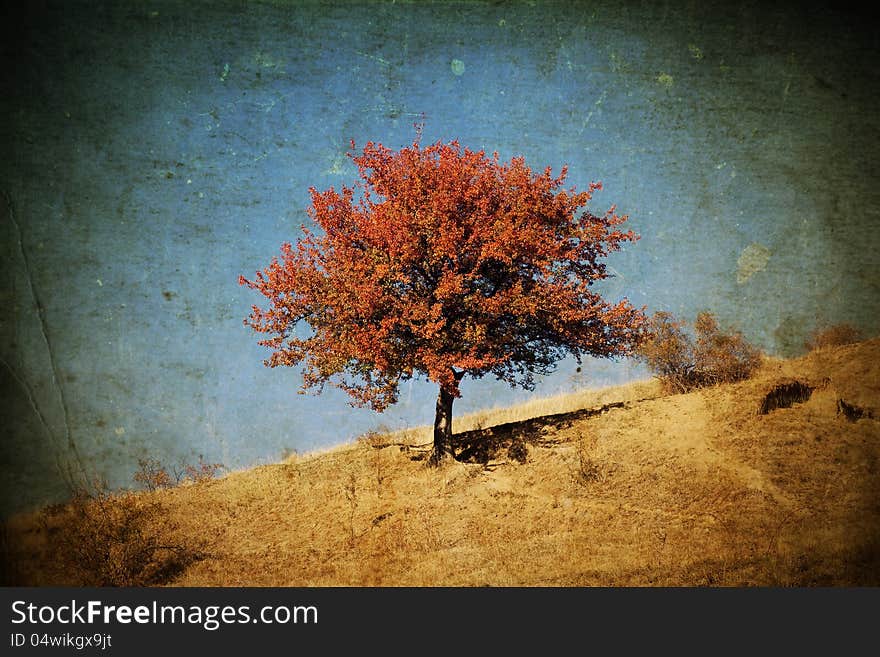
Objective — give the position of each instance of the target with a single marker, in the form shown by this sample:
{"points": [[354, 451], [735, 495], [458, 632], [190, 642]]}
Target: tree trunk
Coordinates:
{"points": [[442, 429]]}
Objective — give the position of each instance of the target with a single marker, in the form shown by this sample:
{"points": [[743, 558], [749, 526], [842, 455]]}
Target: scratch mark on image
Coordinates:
{"points": [[41, 314]]}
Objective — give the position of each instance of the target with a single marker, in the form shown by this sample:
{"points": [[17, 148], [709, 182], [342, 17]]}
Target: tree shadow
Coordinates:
{"points": [[481, 445]]}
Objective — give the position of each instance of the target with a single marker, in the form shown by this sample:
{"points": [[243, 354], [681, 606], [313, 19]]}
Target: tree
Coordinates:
{"points": [[442, 262]]}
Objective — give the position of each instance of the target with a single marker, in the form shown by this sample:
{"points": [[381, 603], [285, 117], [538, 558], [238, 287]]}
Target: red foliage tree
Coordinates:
{"points": [[446, 264]]}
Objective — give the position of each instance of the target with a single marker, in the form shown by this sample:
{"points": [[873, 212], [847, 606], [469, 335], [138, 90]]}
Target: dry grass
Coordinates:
{"points": [[619, 487]]}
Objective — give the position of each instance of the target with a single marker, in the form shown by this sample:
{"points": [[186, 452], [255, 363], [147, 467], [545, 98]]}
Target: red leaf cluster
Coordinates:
{"points": [[441, 261]]}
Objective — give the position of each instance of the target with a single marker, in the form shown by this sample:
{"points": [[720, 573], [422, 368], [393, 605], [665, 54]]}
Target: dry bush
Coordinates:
{"points": [[375, 440], [833, 336], [201, 472], [153, 475], [684, 361], [722, 357], [100, 538], [668, 351]]}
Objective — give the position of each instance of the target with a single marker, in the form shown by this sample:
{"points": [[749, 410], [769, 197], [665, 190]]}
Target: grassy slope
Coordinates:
{"points": [[670, 490]]}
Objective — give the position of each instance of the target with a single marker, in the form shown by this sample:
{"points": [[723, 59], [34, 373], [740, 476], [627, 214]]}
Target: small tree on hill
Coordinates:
{"points": [[445, 263], [683, 363]]}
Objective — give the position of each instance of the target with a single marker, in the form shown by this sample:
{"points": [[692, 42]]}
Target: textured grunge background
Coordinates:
{"points": [[155, 150]]}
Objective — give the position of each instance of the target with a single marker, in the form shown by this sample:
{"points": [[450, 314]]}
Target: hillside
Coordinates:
{"points": [[635, 488]]}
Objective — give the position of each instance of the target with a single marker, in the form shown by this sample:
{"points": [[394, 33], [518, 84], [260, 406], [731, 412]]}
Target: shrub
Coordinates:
{"points": [[684, 360], [101, 538], [204, 471], [667, 350], [833, 336], [152, 475], [722, 357]]}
